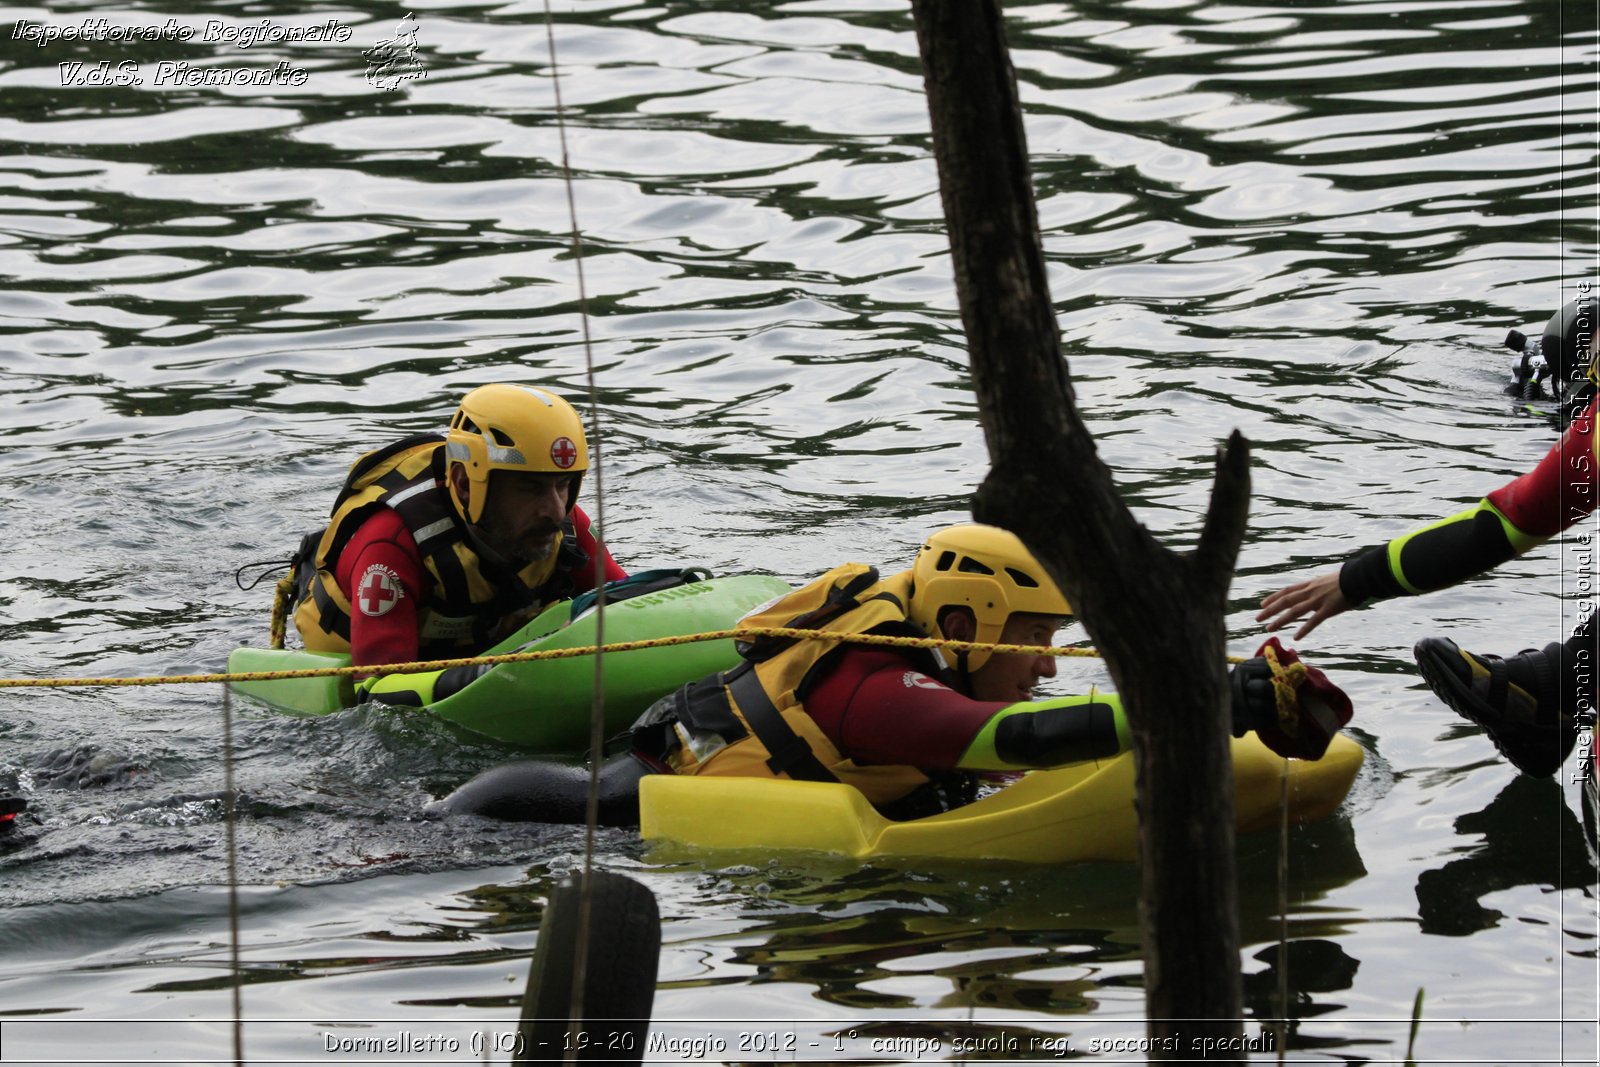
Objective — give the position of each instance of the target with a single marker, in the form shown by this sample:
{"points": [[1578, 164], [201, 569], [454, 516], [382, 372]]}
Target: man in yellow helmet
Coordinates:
{"points": [[438, 546], [908, 727]]}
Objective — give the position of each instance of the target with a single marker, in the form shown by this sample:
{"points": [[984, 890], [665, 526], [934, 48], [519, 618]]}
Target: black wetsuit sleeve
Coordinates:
{"points": [[1049, 733], [1433, 557], [1057, 735]]}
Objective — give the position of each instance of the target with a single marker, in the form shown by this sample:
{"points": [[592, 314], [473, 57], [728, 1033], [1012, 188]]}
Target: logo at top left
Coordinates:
{"points": [[394, 61]]}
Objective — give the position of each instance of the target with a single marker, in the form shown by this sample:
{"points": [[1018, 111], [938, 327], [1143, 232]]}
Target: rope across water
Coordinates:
{"points": [[736, 633]]}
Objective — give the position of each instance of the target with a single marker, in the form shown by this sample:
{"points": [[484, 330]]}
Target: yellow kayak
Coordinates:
{"points": [[1081, 812]]}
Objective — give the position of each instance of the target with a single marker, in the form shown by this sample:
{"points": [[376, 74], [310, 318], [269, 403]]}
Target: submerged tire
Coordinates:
{"points": [[622, 952]]}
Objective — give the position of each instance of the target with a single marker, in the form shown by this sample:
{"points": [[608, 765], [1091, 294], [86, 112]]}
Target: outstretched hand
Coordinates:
{"points": [[1319, 597]]}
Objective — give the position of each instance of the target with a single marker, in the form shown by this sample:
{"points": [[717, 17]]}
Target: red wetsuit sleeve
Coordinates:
{"points": [[583, 574], [877, 708], [381, 573], [1561, 489]]}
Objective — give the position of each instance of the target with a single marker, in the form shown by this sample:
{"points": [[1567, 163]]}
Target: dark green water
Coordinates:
{"points": [[1313, 222]]}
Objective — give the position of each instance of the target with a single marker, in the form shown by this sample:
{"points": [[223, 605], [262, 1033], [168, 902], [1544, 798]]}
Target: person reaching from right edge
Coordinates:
{"points": [[907, 727], [1529, 704]]}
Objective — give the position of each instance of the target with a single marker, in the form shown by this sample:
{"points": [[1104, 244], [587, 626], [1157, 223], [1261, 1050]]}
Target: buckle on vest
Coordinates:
{"points": [[790, 754]]}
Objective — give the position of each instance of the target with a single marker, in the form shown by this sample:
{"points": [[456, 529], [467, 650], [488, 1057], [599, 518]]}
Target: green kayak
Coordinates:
{"points": [[546, 704]]}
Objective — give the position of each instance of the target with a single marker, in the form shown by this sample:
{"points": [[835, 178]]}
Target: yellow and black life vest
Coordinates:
{"points": [[472, 604], [751, 721]]}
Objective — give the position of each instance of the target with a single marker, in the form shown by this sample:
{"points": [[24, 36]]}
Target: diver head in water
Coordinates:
{"points": [[1562, 355]]}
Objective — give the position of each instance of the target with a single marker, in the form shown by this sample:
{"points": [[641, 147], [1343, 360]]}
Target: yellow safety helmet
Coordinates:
{"points": [[987, 570], [509, 428]]}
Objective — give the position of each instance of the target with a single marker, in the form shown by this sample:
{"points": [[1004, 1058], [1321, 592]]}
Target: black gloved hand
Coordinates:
{"points": [[1254, 703]]}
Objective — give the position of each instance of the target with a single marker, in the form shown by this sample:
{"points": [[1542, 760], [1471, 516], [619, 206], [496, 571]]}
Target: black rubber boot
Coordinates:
{"points": [[1517, 700]]}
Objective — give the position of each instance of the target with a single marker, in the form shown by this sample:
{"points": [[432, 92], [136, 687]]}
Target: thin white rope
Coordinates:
{"points": [[1282, 1026], [230, 817], [597, 715]]}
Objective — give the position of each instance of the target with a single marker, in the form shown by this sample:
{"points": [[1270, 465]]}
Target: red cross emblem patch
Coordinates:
{"points": [[378, 590], [563, 453]]}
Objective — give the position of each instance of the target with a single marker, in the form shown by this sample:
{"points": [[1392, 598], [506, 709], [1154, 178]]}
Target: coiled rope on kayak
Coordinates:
{"points": [[1284, 679]]}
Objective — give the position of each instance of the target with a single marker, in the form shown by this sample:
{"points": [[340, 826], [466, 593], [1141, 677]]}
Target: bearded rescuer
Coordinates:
{"points": [[438, 547], [905, 726]]}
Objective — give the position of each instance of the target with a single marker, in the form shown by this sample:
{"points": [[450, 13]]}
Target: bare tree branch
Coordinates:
{"points": [[1156, 615]]}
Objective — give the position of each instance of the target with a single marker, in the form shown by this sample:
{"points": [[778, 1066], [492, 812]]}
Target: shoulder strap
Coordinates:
{"points": [[787, 751], [840, 599], [356, 479], [429, 517]]}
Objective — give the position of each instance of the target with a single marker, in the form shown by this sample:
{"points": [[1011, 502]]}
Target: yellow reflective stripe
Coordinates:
{"points": [[1124, 735], [1397, 546], [420, 685], [1520, 542], [981, 755]]}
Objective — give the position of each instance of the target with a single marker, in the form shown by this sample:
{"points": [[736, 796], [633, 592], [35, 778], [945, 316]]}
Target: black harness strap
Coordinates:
{"points": [[330, 615], [787, 751], [359, 469]]}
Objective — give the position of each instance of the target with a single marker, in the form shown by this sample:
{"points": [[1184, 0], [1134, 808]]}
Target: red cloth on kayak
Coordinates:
{"points": [[877, 708], [1310, 715], [383, 541]]}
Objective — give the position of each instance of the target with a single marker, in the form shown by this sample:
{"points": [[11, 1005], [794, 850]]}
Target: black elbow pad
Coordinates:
{"points": [[1053, 736]]}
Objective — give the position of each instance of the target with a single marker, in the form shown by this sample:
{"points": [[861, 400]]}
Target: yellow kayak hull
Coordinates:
{"points": [[1063, 815]]}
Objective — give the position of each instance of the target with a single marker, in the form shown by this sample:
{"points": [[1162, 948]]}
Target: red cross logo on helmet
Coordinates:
{"points": [[563, 453]]}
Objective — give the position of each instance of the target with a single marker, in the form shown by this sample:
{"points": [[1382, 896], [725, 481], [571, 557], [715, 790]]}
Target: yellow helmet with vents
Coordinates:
{"points": [[986, 570], [512, 428]]}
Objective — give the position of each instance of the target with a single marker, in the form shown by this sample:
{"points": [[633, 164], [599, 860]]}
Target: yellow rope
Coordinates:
{"points": [[551, 653], [588, 650], [280, 609], [1286, 682]]}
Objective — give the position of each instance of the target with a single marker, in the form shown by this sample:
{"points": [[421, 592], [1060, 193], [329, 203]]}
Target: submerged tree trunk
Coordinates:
{"points": [[1156, 615]]}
